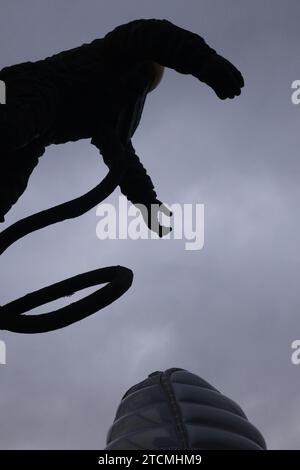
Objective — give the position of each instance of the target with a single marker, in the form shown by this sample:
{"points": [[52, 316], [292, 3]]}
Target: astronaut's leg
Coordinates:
{"points": [[22, 122], [16, 168], [26, 123]]}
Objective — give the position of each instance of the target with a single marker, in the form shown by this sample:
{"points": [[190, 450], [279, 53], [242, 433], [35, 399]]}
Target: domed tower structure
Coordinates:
{"points": [[176, 409]]}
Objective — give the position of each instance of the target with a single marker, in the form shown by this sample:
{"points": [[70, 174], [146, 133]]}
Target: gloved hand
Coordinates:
{"points": [[150, 214], [222, 76]]}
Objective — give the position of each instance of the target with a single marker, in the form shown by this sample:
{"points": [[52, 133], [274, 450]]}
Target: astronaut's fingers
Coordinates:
{"points": [[163, 231], [226, 86], [238, 75], [232, 71], [150, 214], [163, 208]]}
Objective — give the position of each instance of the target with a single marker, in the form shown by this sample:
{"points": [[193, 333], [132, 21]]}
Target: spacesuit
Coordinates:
{"points": [[98, 91]]}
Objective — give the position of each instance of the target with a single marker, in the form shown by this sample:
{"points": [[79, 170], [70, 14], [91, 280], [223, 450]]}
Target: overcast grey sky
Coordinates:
{"points": [[227, 313]]}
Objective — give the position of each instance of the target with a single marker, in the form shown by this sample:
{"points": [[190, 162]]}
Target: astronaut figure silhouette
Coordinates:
{"points": [[97, 91]]}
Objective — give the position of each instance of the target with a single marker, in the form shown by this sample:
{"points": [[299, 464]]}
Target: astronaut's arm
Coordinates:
{"points": [[136, 184], [160, 41], [171, 46], [139, 189]]}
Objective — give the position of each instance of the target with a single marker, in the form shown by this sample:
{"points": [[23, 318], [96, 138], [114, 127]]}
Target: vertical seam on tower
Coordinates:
{"points": [[176, 412]]}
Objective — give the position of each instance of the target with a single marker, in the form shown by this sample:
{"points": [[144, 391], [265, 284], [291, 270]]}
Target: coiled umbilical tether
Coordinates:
{"points": [[119, 278]]}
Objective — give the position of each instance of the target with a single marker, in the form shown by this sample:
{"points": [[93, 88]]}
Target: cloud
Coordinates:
{"points": [[229, 312]]}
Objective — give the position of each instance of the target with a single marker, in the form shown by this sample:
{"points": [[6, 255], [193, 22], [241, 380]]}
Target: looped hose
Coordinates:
{"points": [[119, 278]]}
